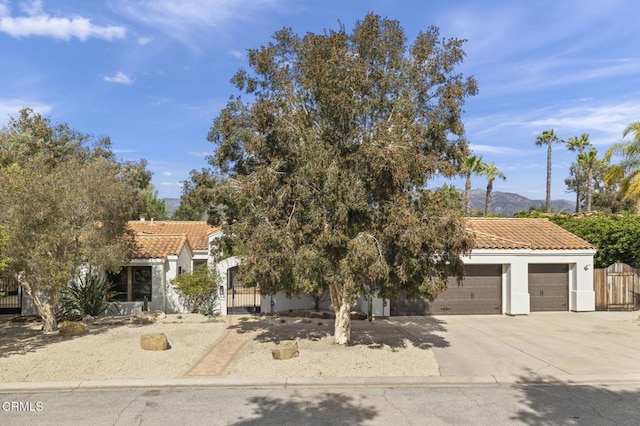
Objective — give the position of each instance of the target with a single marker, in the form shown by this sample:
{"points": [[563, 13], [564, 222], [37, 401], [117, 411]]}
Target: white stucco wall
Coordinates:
{"points": [[380, 306], [300, 302]]}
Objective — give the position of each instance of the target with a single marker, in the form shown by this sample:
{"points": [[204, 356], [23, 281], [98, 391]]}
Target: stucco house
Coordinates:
{"points": [[518, 266], [165, 249]]}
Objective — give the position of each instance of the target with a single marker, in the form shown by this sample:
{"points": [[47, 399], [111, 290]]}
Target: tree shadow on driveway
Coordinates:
{"points": [[423, 332]]}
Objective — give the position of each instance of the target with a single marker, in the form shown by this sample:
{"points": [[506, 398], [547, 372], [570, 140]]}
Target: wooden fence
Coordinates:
{"points": [[616, 288]]}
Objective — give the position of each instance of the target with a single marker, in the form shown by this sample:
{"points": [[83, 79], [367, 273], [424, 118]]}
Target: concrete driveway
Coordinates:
{"points": [[535, 346]]}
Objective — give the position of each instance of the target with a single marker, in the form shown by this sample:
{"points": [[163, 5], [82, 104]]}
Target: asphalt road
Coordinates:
{"points": [[548, 404]]}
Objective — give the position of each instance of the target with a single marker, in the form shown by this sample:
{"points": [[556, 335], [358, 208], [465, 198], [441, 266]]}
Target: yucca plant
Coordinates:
{"points": [[90, 295]]}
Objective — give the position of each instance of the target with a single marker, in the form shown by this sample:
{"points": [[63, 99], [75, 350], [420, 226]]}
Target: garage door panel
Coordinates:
{"points": [[548, 287], [480, 292]]}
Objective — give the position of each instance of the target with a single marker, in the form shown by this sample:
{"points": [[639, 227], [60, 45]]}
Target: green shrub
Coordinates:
{"points": [[200, 290], [90, 295]]}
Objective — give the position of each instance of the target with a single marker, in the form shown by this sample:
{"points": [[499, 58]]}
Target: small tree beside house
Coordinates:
{"points": [[62, 206]]}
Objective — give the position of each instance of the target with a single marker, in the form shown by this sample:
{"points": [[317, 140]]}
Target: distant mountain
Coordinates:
{"points": [[502, 203], [172, 205], [507, 204]]}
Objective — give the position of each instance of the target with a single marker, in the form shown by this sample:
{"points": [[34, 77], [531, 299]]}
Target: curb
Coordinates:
{"points": [[307, 382]]}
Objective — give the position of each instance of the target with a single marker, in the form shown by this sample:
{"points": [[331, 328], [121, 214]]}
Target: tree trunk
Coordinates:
{"points": [[547, 205], [578, 183], [342, 310], [49, 321], [342, 326], [44, 309], [467, 195], [589, 189], [487, 201]]}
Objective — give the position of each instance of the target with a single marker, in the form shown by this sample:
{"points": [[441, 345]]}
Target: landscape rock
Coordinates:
{"points": [[88, 319], [285, 350], [72, 328], [154, 342], [149, 317], [360, 316]]}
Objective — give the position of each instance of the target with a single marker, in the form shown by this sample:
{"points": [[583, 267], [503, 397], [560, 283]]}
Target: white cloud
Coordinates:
{"points": [[32, 8], [143, 41], [236, 54], [119, 77], [4, 8], [187, 20], [167, 174], [37, 23], [11, 107], [493, 149], [198, 154]]}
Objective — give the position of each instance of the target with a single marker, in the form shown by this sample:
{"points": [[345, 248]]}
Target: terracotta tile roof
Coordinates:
{"points": [[516, 233], [159, 246], [197, 232]]}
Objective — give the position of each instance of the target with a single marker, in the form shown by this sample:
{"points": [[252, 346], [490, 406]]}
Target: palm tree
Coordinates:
{"points": [[471, 165], [588, 160], [627, 172], [578, 143], [492, 173], [548, 137]]}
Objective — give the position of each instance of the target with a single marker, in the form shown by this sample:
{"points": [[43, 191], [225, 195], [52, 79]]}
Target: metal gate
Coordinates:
{"points": [[241, 299], [10, 296]]}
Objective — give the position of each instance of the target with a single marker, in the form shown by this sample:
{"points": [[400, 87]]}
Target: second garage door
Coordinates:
{"points": [[549, 287], [479, 293]]}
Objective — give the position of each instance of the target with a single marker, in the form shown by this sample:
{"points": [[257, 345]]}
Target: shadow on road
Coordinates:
{"points": [[398, 333], [546, 401], [332, 409]]}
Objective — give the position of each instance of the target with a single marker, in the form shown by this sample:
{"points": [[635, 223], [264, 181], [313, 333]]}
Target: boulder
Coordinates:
{"points": [[359, 316], [285, 350], [149, 317], [72, 328], [154, 342]]}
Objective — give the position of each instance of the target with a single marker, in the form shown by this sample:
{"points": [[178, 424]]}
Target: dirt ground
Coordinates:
{"points": [[111, 350]]}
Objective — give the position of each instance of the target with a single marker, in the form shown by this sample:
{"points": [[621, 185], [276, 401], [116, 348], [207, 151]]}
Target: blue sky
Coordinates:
{"points": [[152, 74]]}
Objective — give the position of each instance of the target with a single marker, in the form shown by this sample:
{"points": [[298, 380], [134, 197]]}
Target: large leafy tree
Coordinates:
{"points": [[627, 172], [197, 195], [548, 138], [471, 165], [492, 172], [138, 177], [63, 204], [578, 144], [321, 175]]}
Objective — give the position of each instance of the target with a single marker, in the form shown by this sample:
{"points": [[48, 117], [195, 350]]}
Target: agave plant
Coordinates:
{"points": [[90, 295]]}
